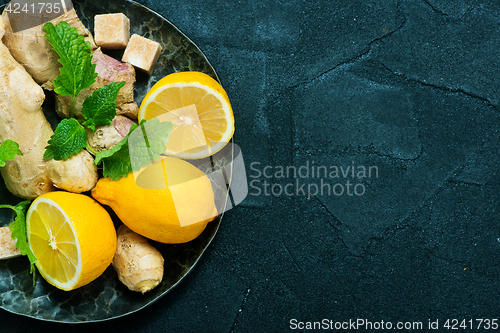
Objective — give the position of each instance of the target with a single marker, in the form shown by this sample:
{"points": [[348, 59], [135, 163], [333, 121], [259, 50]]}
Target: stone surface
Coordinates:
{"points": [[410, 87]]}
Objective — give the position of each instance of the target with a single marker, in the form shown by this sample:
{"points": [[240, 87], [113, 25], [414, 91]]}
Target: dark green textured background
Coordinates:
{"points": [[411, 87]]}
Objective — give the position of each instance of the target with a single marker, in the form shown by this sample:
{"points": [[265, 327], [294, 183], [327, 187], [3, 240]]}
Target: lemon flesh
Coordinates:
{"points": [[54, 244], [72, 236], [199, 110]]}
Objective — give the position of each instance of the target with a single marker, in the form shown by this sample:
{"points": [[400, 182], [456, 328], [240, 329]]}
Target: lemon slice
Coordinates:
{"points": [[199, 109], [72, 237]]}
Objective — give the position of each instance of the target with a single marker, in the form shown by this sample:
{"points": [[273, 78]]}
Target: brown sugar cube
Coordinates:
{"points": [[111, 31], [142, 53]]}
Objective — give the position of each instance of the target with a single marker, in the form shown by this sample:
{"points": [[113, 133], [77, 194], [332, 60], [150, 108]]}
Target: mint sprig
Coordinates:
{"points": [[77, 72], [70, 136], [8, 151], [18, 227]]}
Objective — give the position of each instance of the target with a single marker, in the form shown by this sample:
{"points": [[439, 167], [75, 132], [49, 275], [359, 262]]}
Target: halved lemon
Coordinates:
{"points": [[199, 110], [72, 236]]}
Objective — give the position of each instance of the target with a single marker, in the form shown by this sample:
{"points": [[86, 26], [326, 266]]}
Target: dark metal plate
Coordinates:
{"points": [[106, 298]]}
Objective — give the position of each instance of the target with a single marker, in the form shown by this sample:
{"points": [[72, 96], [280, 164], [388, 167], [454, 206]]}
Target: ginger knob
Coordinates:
{"points": [[138, 264]]}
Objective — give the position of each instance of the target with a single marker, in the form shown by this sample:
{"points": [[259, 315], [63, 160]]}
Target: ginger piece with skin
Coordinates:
{"points": [[138, 264], [23, 121], [108, 70], [107, 136], [76, 174], [7, 244], [33, 51]]}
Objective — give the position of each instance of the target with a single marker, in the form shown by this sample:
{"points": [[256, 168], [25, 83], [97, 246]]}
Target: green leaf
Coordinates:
{"points": [[18, 227], [147, 145], [117, 165], [77, 71], [8, 151], [116, 161], [100, 108], [142, 146], [69, 138]]}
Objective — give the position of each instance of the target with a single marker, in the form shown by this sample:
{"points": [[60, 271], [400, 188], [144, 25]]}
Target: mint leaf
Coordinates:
{"points": [[143, 145], [68, 139], [116, 161], [77, 71], [147, 143], [8, 151], [117, 165], [100, 108], [18, 227]]}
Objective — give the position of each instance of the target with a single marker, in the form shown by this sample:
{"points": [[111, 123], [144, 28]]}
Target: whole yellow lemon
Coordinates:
{"points": [[170, 201]]}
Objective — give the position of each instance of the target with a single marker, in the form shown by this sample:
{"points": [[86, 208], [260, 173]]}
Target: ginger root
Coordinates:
{"points": [[138, 264], [76, 174], [33, 51], [22, 120], [107, 136]]}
